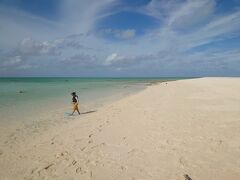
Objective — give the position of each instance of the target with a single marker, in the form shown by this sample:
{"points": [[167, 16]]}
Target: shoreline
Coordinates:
{"points": [[163, 131], [22, 130], [88, 104]]}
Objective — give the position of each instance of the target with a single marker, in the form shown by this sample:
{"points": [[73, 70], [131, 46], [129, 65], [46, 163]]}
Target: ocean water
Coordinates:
{"points": [[35, 99]]}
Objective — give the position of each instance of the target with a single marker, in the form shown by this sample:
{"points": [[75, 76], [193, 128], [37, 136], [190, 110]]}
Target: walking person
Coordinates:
{"points": [[75, 102]]}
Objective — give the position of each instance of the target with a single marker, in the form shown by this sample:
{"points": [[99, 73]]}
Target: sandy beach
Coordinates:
{"points": [[169, 131]]}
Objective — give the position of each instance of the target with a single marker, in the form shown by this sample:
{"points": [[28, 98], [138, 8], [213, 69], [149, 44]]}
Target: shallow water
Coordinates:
{"points": [[33, 99]]}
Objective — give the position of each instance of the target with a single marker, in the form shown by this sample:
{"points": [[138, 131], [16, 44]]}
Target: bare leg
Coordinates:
{"points": [[73, 112], [75, 108], [78, 112]]}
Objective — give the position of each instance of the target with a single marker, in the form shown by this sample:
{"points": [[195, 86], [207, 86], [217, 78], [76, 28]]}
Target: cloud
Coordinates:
{"points": [[216, 27], [220, 28], [126, 34], [81, 60], [25, 67], [191, 13], [18, 24], [30, 47], [73, 40], [169, 63], [12, 61], [117, 60], [120, 34], [160, 9], [80, 16], [112, 58], [30, 53]]}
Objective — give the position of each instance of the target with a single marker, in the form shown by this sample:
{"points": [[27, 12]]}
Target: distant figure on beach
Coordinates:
{"points": [[75, 103]]}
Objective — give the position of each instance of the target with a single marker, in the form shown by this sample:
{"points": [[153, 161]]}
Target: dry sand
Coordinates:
{"points": [[164, 132]]}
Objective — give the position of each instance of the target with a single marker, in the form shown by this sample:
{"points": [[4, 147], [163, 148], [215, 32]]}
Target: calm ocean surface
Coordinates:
{"points": [[28, 98]]}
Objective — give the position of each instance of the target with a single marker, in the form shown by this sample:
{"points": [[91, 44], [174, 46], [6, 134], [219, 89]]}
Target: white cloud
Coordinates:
{"points": [[30, 47], [17, 24], [81, 60], [191, 13], [126, 34], [13, 60], [215, 28], [184, 25], [160, 9], [111, 58], [25, 67], [75, 17], [117, 60], [170, 63], [80, 16], [220, 28], [120, 34]]}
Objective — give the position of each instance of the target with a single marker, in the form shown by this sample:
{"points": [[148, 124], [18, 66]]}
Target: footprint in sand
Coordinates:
{"points": [[41, 171], [34, 170], [62, 154], [78, 170], [123, 168], [183, 162], [133, 151], [98, 145], [124, 141], [92, 163], [11, 135], [48, 166], [220, 142], [81, 170], [82, 149], [74, 162]]}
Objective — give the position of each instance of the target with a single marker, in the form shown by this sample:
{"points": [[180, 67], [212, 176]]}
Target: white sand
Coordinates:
{"points": [[168, 130]]}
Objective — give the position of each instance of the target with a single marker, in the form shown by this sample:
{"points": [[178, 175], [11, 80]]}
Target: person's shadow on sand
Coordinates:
{"points": [[87, 112], [82, 113]]}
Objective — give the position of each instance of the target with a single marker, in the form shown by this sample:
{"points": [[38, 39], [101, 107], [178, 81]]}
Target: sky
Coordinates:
{"points": [[120, 38]]}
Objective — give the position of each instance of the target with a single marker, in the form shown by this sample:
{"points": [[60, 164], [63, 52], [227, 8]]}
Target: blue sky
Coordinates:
{"points": [[120, 38]]}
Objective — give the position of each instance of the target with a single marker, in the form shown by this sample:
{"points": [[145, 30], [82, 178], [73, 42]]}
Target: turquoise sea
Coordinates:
{"points": [[33, 99]]}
